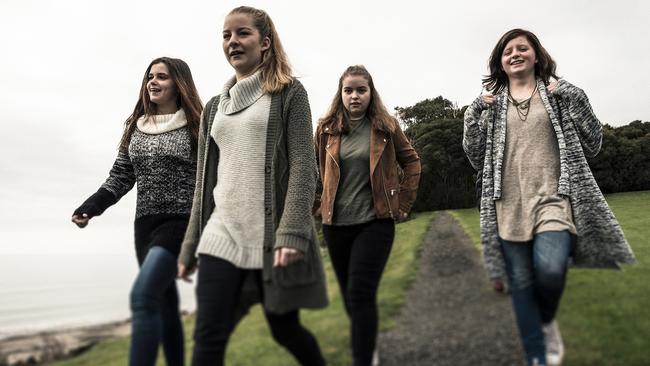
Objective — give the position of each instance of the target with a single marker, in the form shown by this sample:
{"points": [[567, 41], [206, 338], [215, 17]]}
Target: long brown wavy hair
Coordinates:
{"points": [[276, 70], [337, 117], [187, 98], [544, 67]]}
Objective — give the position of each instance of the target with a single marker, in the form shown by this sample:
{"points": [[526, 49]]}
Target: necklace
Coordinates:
{"points": [[522, 107]]}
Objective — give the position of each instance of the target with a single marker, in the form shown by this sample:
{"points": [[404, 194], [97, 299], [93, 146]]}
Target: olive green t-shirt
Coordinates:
{"points": [[353, 203]]}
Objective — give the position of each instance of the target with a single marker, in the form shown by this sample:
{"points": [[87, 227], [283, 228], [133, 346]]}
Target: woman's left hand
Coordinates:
{"points": [[285, 256]]}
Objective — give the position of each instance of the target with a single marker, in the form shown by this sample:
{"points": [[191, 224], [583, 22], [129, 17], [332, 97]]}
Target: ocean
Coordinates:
{"points": [[50, 291]]}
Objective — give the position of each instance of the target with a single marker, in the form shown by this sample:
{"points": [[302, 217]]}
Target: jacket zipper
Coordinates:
{"points": [[329, 212], [383, 184]]}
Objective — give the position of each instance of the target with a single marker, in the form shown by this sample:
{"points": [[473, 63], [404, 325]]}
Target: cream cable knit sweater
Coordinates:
{"points": [[235, 230]]}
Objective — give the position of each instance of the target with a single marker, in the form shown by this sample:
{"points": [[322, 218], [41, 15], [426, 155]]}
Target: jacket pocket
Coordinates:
{"points": [[307, 271], [299, 273]]}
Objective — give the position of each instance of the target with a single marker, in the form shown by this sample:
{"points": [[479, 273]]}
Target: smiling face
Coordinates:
{"points": [[518, 58], [356, 95], [161, 88], [242, 44]]}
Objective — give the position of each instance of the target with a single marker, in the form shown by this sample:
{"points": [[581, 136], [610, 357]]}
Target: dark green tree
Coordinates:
{"points": [[435, 127]]}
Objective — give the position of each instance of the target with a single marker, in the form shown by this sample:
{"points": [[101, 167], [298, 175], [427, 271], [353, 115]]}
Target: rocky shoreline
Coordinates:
{"points": [[53, 345]]}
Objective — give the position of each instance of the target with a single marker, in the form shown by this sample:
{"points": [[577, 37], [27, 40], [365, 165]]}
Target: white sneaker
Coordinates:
{"points": [[375, 357], [536, 362], [553, 343]]}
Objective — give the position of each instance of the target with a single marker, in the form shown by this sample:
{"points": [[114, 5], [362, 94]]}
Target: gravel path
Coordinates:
{"points": [[452, 316]]}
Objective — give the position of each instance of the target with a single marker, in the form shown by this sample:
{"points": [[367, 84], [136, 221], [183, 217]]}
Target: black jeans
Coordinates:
{"points": [[217, 293], [359, 254]]}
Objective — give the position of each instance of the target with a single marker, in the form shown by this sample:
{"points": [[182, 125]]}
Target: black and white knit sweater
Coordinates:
{"points": [[600, 241], [160, 160]]}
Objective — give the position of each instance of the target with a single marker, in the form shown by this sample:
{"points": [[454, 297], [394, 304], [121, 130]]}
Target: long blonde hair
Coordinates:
{"points": [[276, 70]]}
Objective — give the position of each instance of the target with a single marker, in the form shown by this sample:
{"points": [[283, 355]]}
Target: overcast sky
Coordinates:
{"points": [[70, 73]]}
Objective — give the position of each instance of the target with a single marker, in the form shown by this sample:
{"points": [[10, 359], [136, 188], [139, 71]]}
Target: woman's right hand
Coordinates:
{"points": [[184, 273], [488, 98], [498, 285], [81, 220]]}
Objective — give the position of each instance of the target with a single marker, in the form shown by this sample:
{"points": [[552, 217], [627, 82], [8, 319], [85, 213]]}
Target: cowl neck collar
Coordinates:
{"points": [[239, 95]]}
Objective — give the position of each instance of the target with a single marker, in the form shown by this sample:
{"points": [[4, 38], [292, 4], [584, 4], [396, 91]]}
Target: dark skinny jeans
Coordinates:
{"points": [[359, 254], [217, 292], [155, 311]]}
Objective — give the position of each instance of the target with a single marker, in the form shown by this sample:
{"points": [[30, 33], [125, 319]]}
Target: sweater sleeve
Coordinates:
{"points": [[474, 132], [295, 229], [409, 161], [589, 128], [190, 243], [121, 178], [96, 204]]}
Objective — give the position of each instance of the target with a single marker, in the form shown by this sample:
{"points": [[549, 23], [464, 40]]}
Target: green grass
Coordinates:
{"points": [[469, 221], [252, 342], [605, 315]]}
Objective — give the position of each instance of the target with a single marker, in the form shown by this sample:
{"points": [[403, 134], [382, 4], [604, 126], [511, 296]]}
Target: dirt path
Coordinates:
{"points": [[452, 316]]}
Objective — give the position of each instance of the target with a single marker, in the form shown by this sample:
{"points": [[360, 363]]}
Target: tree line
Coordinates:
{"points": [[435, 128]]}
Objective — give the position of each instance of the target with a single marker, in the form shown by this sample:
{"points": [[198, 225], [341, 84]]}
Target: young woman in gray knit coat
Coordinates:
{"points": [[540, 204], [251, 224], [158, 151]]}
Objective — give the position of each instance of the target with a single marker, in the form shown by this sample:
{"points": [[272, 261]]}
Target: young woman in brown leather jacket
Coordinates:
{"points": [[359, 147]]}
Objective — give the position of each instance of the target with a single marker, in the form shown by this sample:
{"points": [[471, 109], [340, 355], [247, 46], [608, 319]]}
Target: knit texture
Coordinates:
{"points": [[289, 185], [600, 242], [164, 169], [161, 123], [235, 230]]}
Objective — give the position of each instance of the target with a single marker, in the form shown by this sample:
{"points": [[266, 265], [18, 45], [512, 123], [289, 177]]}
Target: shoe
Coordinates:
{"points": [[375, 358], [553, 343], [536, 362]]}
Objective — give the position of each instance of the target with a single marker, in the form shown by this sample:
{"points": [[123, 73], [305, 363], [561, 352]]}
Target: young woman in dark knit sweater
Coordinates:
{"points": [[536, 212], [251, 223], [158, 151], [360, 146]]}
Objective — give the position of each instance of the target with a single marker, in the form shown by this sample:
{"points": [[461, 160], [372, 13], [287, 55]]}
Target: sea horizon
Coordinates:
{"points": [[50, 292]]}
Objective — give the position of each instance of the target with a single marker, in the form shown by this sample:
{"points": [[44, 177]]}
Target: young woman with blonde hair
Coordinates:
{"points": [[251, 224]]}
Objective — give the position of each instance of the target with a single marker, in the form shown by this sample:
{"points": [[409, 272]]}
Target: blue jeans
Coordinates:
{"points": [[155, 311], [536, 272]]}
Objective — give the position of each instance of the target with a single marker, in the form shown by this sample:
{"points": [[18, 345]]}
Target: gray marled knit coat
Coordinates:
{"points": [[600, 241]]}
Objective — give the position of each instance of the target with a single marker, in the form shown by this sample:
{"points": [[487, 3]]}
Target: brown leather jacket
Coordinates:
{"points": [[393, 193]]}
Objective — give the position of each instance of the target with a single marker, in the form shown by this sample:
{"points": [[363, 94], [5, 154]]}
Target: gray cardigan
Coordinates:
{"points": [[600, 241], [290, 183]]}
